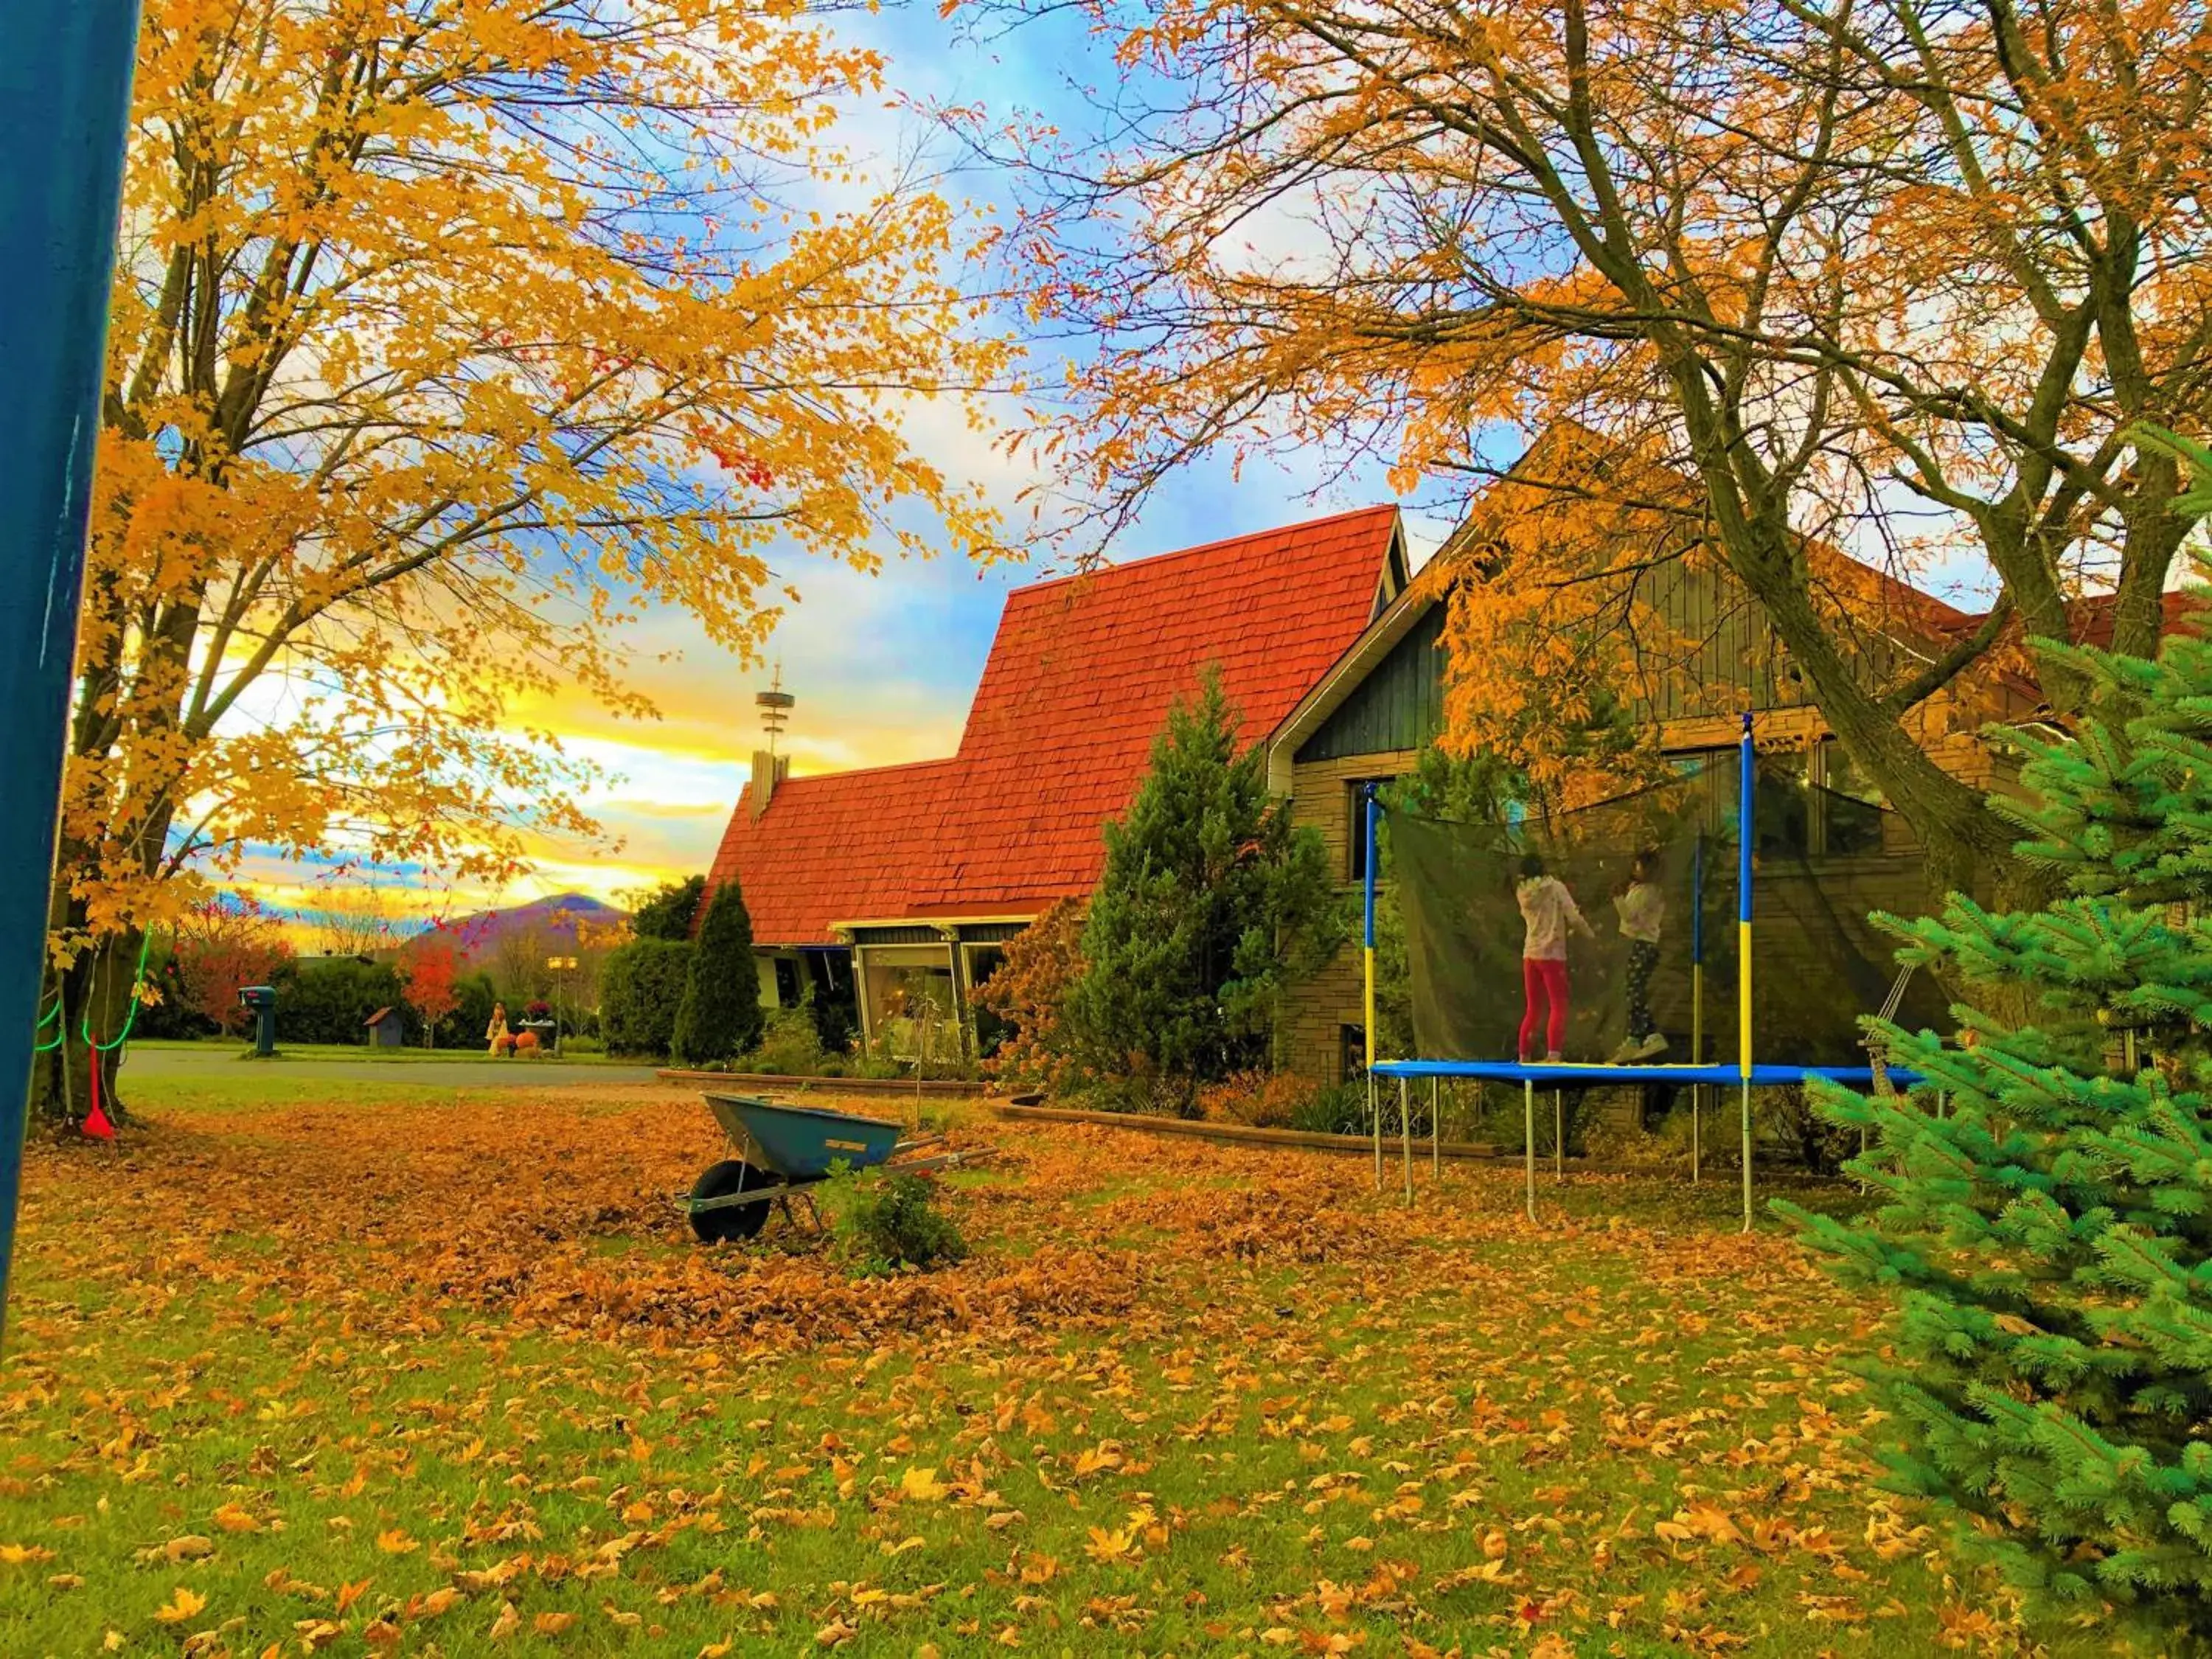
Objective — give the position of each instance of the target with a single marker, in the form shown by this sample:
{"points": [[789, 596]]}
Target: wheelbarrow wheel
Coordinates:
{"points": [[731, 1221]]}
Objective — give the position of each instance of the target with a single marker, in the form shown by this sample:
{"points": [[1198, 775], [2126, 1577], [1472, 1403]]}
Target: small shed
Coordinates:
{"points": [[387, 1028]]}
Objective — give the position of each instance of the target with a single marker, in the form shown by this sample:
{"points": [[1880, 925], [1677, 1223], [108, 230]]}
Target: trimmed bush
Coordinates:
{"points": [[331, 1001], [791, 1046], [885, 1222], [641, 988], [719, 1017]]}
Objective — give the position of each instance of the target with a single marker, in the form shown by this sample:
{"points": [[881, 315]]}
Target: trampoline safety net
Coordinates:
{"points": [[1822, 862]]}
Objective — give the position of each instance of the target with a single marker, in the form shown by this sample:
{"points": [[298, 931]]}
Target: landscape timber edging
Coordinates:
{"points": [[1024, 1108], [842, 1085], [1020, 1108]]}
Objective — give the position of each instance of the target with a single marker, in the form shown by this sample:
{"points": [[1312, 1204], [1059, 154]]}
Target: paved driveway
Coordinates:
{"points": [[216, 1061]]}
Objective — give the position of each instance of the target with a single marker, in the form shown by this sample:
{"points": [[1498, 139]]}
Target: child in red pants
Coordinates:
{"points": [[1547, 911]]}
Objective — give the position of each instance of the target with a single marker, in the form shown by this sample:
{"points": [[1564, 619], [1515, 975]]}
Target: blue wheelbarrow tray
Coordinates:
{"points": [[783, 1150]]}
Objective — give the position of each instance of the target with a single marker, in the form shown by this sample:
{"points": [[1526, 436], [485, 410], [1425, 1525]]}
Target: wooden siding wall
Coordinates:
{"points": [[1708, 644], [1320, 1008], [1400, 705], [1378, 731]]}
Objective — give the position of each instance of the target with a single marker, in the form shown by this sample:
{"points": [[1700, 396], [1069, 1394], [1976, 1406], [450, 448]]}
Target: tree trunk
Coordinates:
{"points": [[98, 996]]}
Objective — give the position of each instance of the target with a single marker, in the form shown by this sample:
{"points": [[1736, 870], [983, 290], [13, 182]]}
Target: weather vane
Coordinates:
{"points": [[775, 705]]}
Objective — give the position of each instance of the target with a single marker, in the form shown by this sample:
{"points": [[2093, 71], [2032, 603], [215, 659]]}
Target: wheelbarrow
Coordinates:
{"points": [[785, 1149]]}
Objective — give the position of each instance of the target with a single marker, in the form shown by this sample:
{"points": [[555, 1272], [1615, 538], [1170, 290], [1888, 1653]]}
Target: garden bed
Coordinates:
{"points": [[1024, 1108]]}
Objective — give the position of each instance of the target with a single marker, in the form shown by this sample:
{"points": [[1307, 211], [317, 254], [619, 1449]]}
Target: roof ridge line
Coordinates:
{"points": [[1203, 547], [858, 771]]}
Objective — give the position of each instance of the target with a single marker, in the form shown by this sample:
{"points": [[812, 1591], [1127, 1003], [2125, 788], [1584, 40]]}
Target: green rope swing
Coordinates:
{"points": [[53, 1015]]}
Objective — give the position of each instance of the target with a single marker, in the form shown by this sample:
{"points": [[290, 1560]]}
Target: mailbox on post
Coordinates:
{"points": [[262, 999]]}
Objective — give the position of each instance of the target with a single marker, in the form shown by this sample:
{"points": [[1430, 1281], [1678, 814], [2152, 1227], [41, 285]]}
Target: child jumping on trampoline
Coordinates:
{"points": [[1547, 911], [1642, 907]]}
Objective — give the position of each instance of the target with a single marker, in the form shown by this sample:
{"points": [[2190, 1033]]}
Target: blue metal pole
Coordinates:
{"points": [[1747, 839], [1367, 975], [64, 101]]}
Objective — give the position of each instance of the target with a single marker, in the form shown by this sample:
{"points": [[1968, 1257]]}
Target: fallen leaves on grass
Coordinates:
{"points": [[1439, 1419], [182, 1604]]}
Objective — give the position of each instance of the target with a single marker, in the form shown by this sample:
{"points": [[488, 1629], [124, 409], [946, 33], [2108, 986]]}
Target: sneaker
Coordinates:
{"points": [[1554, 1057], [1653, 1044]]}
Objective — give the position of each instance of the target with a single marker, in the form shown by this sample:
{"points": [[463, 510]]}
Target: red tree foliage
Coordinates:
{"points": [[430, 969], [223, 943]]}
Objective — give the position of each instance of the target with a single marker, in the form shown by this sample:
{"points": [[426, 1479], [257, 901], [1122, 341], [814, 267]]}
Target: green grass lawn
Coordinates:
{"points": [[376, 1371]]}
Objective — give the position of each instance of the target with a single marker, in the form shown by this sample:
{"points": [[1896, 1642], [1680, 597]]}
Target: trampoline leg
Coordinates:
{"points": [[1558, 1139], [1375, 1124], [1746, 1155], [1405, 1135], [1528, 1138], [1436, 1129], [1697, 1126]]}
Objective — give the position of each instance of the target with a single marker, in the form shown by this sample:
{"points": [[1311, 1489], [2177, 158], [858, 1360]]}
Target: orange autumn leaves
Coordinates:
{"points": [[481, 1338]]}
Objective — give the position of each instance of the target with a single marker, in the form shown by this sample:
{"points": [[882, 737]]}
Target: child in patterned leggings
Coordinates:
{"points": [[1642, 907]]}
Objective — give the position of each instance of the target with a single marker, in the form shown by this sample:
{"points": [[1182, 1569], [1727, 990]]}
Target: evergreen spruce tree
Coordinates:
{"points": [[1211, 906], [2049, 1229], [719, 1016], [668, 911]]}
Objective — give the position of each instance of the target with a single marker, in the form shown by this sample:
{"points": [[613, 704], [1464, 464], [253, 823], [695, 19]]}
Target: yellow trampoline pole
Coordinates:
{"points": [[1697, 995]]}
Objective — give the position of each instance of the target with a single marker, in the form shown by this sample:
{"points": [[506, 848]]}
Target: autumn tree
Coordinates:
{"points": [[445, 339], [353, 921], [1894, 276], [224, 943], [430, 969], [1027, 996]]}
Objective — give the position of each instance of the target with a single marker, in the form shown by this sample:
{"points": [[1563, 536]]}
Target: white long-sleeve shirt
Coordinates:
{"points": [[1548, 910], [1642, 907]]}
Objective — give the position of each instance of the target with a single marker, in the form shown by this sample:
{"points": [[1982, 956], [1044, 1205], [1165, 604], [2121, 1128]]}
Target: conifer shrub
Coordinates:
{"points": [[719, 1016], [2046, 1212]]}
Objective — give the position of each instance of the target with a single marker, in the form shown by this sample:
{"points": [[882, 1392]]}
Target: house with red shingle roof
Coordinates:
{"points": [[896, 887]]}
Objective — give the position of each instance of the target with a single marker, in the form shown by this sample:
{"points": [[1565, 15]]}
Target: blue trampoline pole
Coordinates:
{"points": [[1747, 834], [1367, 935], [1696, 993], [65, 100]]}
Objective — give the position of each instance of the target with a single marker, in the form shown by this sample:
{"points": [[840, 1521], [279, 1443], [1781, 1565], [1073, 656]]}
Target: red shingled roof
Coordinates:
{"points": [[843, 847], [1079, 682]]}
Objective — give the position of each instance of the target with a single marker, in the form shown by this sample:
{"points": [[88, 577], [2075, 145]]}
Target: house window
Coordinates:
{"points": [[1351, 1053], [1355, 826], [1850, 802], [790, 988]]}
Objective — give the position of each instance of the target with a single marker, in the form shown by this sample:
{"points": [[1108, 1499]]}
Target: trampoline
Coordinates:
{"points": [[1818, 860]]}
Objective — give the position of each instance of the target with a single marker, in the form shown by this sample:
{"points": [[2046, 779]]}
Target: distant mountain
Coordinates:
{"points": [[552, 919]]}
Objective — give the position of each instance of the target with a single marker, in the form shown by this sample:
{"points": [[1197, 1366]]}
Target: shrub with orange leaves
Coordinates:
{"points": [[1260, 1100], [1028, 995]]}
